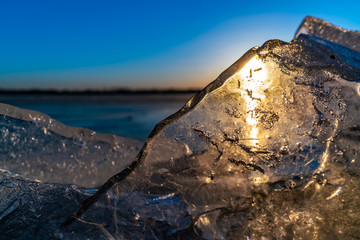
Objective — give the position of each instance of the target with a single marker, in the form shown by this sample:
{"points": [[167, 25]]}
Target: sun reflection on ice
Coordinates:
{"points": [[252, 83]]}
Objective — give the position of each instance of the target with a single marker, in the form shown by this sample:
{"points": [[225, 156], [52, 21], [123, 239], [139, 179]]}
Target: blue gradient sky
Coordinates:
{"points": [[81, 44]]}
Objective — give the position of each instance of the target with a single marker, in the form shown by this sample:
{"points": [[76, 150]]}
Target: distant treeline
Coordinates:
{"points": [[96, 92]]}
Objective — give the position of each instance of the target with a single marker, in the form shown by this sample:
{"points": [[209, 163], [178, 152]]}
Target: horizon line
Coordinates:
{"points": [[97, 91]]}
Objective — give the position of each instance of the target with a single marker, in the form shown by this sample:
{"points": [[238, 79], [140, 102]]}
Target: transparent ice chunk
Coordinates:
{"points": [[327, 31], [33, 210], [38, 147], [269, 150]]}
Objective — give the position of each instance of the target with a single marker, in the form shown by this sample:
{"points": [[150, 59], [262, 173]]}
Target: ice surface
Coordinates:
{"points": [[269, 150], [322, 29], [38, 147]]}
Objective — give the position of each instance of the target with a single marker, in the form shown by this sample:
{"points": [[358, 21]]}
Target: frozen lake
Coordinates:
{"points": [[127, 115]]}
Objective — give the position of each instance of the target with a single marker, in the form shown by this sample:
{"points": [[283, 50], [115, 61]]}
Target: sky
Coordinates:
{"points": [[87, 44]]}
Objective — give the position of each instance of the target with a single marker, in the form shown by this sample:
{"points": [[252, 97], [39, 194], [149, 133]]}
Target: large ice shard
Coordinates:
{"points": [[269, 150], [38, 147]]}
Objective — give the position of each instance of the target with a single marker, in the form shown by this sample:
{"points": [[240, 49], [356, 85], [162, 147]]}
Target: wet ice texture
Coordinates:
{"points": [[269, 150], [33, 210], [38, 147]]}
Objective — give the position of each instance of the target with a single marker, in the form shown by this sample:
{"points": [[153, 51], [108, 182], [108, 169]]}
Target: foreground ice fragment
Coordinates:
{"points": [[33, 210], [269, 150], [38, 147]]}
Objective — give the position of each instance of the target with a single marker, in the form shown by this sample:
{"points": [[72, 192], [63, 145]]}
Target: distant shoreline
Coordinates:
{"points": [[97, 92]]}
